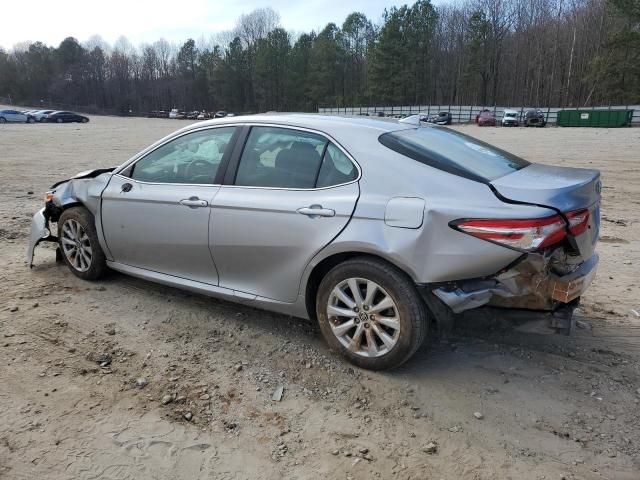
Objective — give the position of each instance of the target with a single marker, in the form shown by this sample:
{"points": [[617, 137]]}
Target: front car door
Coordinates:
{"points": [[155, 213], [286, 196]]}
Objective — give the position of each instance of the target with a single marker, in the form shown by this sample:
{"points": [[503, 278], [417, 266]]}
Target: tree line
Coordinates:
{"points": [[480, 52]]}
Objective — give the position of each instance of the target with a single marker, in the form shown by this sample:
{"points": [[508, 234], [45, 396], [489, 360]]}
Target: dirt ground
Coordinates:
{"points": [[96, 379]]}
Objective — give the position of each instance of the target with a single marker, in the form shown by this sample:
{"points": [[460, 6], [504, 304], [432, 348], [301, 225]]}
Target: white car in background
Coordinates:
{"points": [[40, 115], [15, 116], [510, 118]]}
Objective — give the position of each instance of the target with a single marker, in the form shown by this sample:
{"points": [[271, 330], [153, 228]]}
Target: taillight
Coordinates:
{"points": [[530, 234], [578, 221], [525, 234]]}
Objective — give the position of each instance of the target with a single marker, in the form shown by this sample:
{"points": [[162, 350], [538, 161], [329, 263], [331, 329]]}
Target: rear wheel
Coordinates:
{"points": [[59, 120], [3, 120], [370, 312], [79, 244], [31, 120]]}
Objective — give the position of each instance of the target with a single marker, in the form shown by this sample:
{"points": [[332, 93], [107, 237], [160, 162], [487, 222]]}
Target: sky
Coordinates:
{"points": [[145, 21]]}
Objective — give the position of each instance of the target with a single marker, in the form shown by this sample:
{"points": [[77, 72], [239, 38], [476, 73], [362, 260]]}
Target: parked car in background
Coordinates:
{"points": [[299, 214], [204, 115], [486, 118], [177, 114], [441, 118], [509, 118], [220, 114], [40, 115], [65, 117], [193, 115], [534, 117], [14, 116]]}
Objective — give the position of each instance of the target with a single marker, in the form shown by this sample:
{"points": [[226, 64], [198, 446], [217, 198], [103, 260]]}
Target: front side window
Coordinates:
{"points": [[453, 152], [193, 158]]}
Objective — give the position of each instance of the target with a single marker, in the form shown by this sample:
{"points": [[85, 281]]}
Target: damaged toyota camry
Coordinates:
{"points": [[383, 232]]}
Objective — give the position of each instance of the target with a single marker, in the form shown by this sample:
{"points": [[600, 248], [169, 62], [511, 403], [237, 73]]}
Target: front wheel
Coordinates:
{"points": [[59, 120], [371, 313], [79, 244]]}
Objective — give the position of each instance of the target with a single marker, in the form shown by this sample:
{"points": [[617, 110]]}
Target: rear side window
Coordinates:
{"points": [[453, 152], [286, 158], [336, 168]]}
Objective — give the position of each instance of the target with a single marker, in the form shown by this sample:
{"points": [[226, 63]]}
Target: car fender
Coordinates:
{"points": [[84, 189]]}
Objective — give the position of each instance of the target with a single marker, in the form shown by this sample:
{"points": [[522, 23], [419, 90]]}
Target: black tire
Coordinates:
{"points": [[59, 120], [410, 309], [84, 120], [31, 120], [98, 264], [3, 120]]}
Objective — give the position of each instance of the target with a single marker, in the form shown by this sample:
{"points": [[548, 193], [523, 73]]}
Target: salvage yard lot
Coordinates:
{"points": [[75, 356]]}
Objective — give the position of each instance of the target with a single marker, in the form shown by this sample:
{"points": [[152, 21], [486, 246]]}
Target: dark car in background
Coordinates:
{"points": [[534, 117], [486, 118], [65, 117], [440, 118]]}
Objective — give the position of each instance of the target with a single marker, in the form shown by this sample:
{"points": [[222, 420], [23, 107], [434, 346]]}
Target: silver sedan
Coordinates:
{"points": [[381, 231], [15, 116]]}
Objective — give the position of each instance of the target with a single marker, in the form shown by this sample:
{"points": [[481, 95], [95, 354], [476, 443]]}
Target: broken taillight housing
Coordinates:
{"points": [[525, 234]]}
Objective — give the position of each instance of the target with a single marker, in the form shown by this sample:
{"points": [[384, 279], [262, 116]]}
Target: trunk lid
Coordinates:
{"points": [[562, 189]]}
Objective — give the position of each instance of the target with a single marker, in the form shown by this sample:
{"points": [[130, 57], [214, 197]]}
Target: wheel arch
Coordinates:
{"points": [[322, 267]]}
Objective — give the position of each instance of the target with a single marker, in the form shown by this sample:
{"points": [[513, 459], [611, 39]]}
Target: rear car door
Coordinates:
{"points": [[15, 116], [287, 194], [155, 213]]}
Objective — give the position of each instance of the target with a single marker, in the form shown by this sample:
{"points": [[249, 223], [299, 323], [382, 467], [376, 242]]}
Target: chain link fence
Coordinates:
{"points": [[463, 114]]}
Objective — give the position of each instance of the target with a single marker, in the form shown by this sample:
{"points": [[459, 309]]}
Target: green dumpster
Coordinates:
{"points": [[594, 118]]}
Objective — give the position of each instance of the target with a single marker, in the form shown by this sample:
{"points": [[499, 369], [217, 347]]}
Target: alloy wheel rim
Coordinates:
{"points": [[363, 317], [76, 245]]}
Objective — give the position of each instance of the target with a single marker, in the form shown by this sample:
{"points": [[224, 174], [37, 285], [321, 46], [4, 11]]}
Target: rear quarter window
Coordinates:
{"points": [[453, 152]]}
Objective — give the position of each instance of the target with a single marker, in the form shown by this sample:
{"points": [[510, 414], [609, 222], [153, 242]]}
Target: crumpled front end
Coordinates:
{"points": [[536, 281], [84, 189], [39, 232]]}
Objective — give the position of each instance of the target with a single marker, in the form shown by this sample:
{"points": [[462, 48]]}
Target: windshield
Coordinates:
{"points": [[453, 152]]}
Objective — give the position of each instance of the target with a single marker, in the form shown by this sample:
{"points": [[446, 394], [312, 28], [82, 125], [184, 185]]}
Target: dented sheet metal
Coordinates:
{"points": [[537, 282], [85, 188]]}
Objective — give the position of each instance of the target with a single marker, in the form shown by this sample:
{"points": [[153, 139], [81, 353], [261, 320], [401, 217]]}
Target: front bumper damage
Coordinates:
{"points": [[551, 282], [40, 232]]}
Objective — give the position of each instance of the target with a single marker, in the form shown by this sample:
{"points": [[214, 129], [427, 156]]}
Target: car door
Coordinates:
{"points": [[155, 213], [15, 116], [286, 196]]}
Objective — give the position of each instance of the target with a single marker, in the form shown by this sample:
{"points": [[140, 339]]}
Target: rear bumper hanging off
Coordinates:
{"points": [[530, 284]]}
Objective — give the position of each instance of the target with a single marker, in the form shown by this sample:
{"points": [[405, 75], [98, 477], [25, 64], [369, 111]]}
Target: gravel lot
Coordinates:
{"points": [[124, 379]]}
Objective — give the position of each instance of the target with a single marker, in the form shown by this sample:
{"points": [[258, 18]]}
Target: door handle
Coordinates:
{"points": [[317, 211], [193, 202]]}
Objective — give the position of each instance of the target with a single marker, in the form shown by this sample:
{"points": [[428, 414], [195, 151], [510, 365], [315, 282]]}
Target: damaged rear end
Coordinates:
{"points": [[558, 260]]}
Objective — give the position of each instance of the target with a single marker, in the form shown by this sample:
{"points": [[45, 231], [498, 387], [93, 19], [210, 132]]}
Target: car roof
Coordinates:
{"points": [[332, 125]]}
